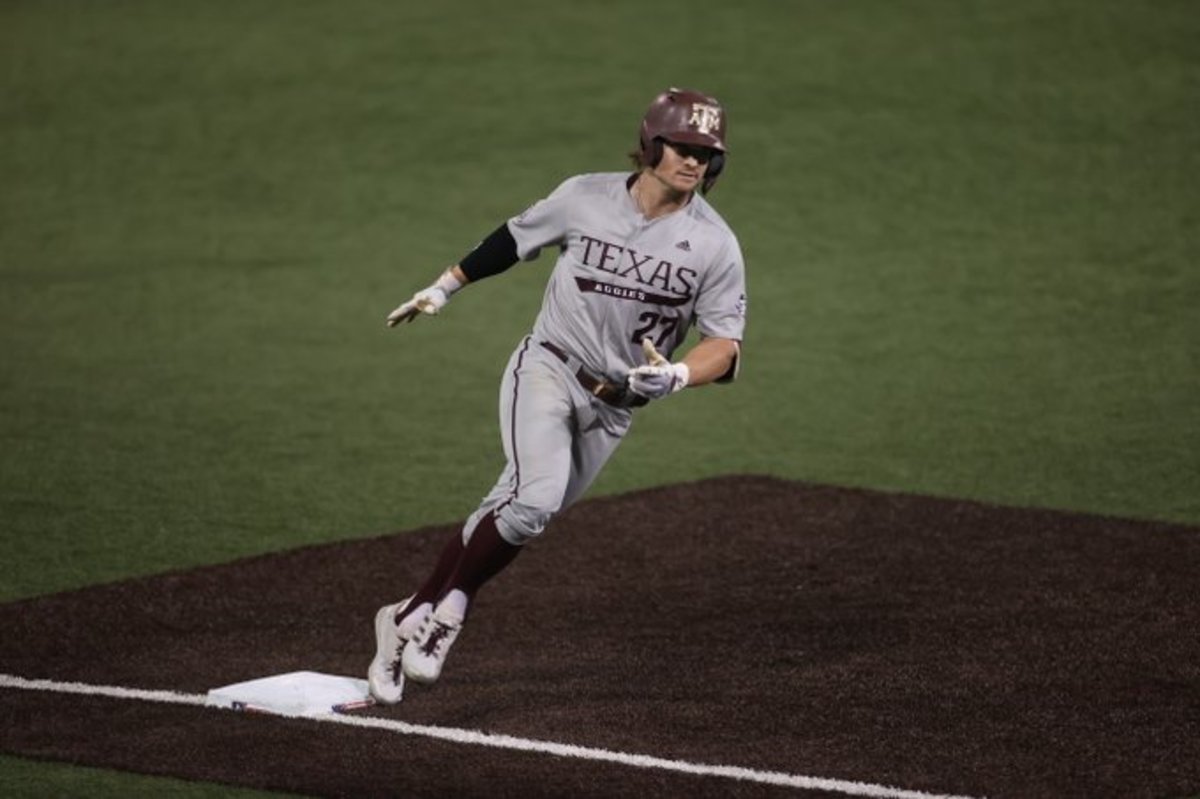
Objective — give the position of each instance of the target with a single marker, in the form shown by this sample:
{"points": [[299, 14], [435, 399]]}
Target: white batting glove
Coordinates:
{"points": [[659, 377], [428, 300]]}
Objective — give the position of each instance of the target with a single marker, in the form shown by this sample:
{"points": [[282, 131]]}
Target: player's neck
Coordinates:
{"points": [[655, 197]]}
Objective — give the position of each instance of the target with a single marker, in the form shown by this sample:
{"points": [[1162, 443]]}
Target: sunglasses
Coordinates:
{"points": [[701, 154]]}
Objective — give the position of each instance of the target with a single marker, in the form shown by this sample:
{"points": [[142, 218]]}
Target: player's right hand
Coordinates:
{"points": [[427, 301]]}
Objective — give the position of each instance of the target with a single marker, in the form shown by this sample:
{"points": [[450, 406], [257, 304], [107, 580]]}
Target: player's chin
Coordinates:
{"points": [[687, 181]]}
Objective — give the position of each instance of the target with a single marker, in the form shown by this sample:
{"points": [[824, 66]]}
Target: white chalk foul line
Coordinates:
{"points": [[111, 691], [477, 738]]}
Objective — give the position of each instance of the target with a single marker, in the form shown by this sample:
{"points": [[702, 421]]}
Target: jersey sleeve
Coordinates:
{"points": [[545, 222], [721, 303]]}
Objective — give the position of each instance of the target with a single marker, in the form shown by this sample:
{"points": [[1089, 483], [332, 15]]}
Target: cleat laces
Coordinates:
{"points": [[394, 667], [433, 641]]}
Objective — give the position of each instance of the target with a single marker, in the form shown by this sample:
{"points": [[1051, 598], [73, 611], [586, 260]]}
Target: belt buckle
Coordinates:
{"points": [[619, 395]]}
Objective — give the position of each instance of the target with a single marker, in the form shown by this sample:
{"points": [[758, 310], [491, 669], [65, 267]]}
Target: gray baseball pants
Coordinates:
{"points": [[556, 437]]}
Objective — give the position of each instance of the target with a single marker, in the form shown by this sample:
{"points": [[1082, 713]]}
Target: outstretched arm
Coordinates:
{"points": [[492, 256], [430, 300]]}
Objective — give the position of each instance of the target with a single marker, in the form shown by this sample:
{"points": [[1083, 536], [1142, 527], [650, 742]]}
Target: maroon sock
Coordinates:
{"points": [[431, 589], [485, 556]]}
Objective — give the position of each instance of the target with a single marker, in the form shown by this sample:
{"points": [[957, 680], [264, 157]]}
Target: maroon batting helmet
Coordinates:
{"points": [[686, 117]]}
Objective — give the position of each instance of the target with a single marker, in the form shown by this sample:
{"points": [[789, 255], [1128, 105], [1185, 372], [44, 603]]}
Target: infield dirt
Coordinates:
{"points": [[930, 644]]}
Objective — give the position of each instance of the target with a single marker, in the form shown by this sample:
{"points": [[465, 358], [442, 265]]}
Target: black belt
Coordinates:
{"points": [[615, 394]]}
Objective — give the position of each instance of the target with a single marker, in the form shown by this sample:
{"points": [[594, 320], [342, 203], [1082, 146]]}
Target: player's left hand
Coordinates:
{"points": [[659, 377]]}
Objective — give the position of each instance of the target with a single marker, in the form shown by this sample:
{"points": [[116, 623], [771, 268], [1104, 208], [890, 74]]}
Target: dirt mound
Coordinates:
{"points": [[932, 644]]}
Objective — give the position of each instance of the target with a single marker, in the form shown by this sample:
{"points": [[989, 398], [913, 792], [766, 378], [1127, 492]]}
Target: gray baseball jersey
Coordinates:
{"points": [[621, 277]]}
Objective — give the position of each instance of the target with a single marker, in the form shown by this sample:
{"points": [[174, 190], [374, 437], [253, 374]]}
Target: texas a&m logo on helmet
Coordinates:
{"points": [[705, 118]]}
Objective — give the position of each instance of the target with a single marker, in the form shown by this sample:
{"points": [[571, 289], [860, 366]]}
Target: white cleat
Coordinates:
{"points": [[426, 651], [385, 677]]}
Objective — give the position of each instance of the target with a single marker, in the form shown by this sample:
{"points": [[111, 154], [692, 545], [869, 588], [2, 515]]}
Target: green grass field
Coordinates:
{"points": [[971, 232]]}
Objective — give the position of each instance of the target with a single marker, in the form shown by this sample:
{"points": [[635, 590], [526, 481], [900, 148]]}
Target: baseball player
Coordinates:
{"points": [[641, 258]]}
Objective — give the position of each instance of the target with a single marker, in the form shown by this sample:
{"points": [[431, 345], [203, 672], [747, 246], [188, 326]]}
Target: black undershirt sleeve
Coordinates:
{"points": [[493, 255]]}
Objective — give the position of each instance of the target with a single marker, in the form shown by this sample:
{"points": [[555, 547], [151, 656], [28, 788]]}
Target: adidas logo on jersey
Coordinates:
{"points": [[683, 245]]}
